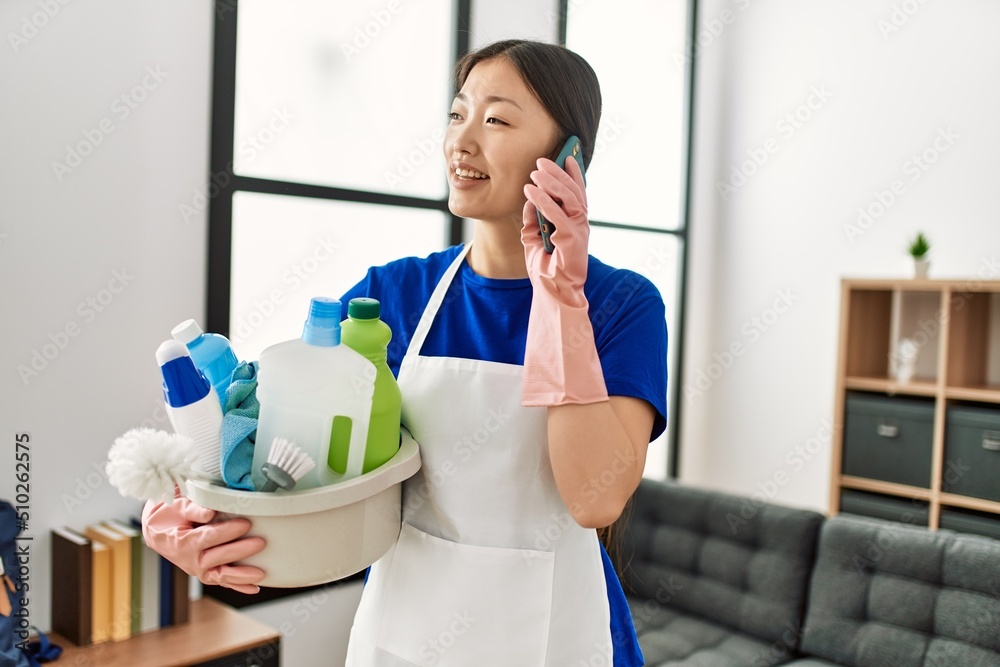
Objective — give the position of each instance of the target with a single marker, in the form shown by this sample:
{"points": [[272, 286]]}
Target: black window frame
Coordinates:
{"points": [[225, 183]]}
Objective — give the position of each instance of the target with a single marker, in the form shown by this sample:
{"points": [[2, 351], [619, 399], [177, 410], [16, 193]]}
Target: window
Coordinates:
{"points": [[306, 168], [301, 178], [637, 48], [309, 166]]}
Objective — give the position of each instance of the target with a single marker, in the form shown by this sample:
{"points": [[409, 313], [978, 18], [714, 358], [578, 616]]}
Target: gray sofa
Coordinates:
{"points": [[715, 580]]}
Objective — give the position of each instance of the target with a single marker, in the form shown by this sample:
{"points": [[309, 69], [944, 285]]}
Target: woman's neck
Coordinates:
{"points": [[497, 251]]}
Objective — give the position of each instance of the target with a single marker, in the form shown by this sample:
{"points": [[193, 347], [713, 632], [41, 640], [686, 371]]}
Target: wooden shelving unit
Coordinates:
{"points": [[956, 324]]}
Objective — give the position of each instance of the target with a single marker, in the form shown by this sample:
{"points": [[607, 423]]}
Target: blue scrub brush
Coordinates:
{"points": [[286, 464]]}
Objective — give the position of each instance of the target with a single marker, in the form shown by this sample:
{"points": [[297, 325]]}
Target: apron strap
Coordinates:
{"points": [[434, 304]]}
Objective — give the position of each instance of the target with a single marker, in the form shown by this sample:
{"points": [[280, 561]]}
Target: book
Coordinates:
{"points": [[173, 595], [121, 578], [100, 592], [166, 593], [181, 589], [151, 566], [72, 572], [137, 546]]}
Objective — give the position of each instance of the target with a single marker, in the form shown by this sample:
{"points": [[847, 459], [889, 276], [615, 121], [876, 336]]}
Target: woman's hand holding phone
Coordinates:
{"points": [[573, 148], [560, 357], [560, 196]]}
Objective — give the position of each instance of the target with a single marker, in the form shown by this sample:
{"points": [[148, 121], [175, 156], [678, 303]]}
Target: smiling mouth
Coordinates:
{"points": [[470, 175]]}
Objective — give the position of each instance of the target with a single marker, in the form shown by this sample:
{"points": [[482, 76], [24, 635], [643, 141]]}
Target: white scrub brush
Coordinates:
{"points": [[286, 464], [147, 464]]}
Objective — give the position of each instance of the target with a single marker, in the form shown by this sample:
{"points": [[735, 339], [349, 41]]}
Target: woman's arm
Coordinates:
{"points": [[598, 452], [597, 442]]}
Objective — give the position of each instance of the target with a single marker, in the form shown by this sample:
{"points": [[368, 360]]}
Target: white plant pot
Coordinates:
{"points": [[320, 535], [920, 267]]}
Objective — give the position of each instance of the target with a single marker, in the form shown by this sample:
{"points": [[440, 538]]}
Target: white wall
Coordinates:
{"points": [[788, 228], [107, 230]]}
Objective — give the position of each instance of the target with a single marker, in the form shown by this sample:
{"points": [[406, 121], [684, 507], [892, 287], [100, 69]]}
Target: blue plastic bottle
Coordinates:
{"points": [[192, 412], [212, 355]]}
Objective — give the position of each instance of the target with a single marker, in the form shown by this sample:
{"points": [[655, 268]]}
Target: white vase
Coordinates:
{"points": [[903, 360], [921, 265]]}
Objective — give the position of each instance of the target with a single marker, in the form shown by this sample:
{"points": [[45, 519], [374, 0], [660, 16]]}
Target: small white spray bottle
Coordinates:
{"points": [[192, 406]]}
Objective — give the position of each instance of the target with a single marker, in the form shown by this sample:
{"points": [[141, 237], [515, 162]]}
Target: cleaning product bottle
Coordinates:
{"points": [[364, 332], [315, 391], [192, 406], [212, 354]]}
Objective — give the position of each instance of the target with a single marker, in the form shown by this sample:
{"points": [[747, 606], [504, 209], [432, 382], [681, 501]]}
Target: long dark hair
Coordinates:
{"points": [[567, 87], [563, 82]]}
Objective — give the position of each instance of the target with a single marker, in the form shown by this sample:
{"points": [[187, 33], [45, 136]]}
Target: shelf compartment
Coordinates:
{"points": [[968, 521], [972, 452], [868, 333], [887, 386], [917, 317], [974, 340], [891, 508], [888, 438]]}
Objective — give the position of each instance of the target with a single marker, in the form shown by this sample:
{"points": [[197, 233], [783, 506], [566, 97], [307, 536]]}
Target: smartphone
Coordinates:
{"points": [[573, 148]]}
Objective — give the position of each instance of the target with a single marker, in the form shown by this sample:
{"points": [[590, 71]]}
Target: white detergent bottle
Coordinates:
{"points": [[192, 406], [313, 390]]}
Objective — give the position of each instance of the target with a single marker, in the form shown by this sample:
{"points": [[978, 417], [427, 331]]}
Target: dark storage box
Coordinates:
{"points": [[972, 452], [888, 438], [914, 512], [970, 521]]}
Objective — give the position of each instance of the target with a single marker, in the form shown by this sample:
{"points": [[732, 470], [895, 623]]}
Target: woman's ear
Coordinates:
{"points": [[554, 153]]}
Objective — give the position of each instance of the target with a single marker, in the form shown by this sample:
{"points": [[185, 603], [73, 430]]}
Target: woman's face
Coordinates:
{"points": [[498, 129]]}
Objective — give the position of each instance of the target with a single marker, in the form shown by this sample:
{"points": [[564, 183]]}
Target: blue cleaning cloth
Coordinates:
{"points": [[239, 427]]}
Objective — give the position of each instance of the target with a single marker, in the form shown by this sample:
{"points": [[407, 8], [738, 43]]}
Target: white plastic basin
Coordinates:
{"points": [[320, 535]]}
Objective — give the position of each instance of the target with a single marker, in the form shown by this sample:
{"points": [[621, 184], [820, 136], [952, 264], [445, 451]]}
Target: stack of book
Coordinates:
{"points": [[107, 585]]}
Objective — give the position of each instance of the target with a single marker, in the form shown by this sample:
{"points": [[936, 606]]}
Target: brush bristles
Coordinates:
{"points": [[147, 464], [286, 455]]}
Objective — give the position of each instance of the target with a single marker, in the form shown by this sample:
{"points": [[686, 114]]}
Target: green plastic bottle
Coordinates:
{"points": [[365, 333]]}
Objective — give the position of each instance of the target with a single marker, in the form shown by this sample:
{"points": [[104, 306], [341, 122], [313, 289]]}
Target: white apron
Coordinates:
{"points": [[490, 569]]}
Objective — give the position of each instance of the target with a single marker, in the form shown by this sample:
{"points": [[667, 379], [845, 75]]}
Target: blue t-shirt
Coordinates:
{"points": [[630, 333]]}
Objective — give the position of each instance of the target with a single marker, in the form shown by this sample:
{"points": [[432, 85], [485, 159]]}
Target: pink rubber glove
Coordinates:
{"points": [[560, 358], [205, 551]]}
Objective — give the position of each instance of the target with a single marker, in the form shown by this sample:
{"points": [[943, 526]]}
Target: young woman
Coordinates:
{"points": [[533, 383]]}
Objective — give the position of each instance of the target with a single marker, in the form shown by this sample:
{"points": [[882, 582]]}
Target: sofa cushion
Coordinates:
{"points": [[670, 637], [739, 562], [885, 593]]}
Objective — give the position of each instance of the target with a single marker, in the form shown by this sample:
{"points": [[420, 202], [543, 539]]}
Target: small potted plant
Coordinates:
{"points": [[919, 247]]}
